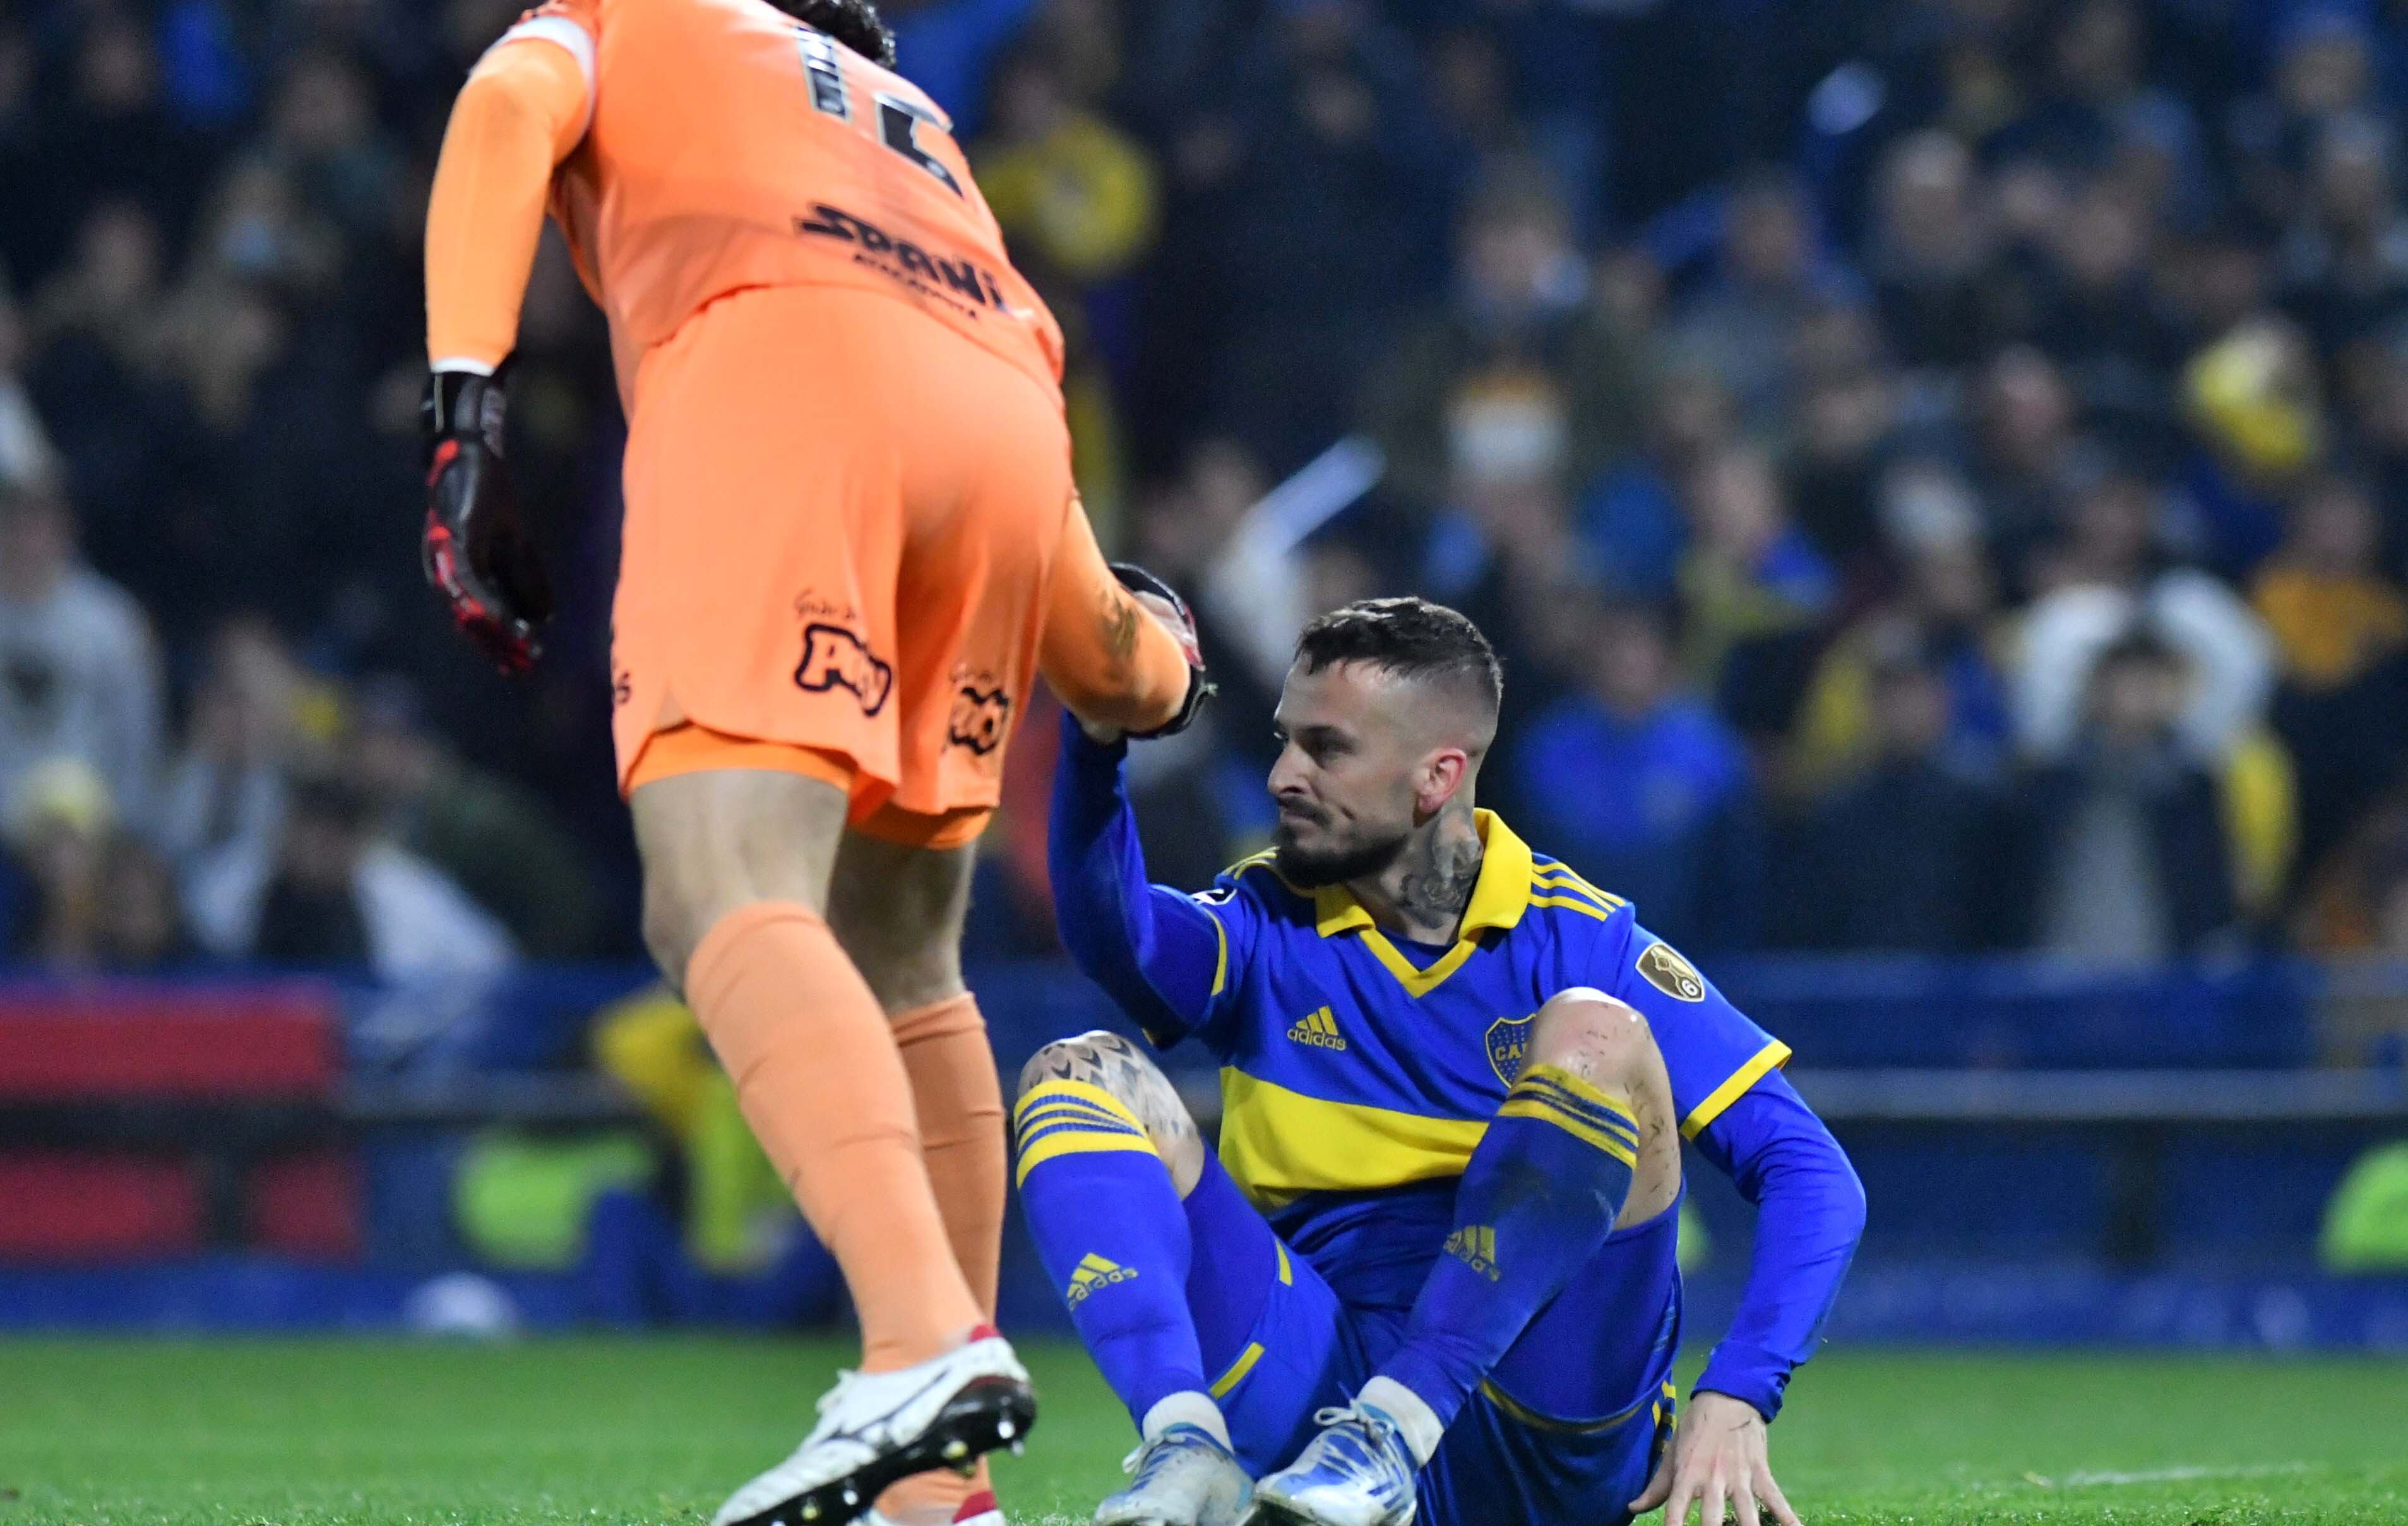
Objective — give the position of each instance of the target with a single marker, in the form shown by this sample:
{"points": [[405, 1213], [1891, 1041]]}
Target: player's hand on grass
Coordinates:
{"points": [[1720, 1456], [476, 553]]}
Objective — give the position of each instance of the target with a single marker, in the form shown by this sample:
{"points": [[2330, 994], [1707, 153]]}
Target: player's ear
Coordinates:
{"points": [[1443, 772]]}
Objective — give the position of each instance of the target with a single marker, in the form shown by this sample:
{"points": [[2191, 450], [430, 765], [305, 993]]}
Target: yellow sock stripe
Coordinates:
{"points": [[1610, 1109], [1238, 1370], [1062, 1117], [1069, 1141], [1061, 1090], [1059, 1112], [1525, 1107], [1608, 1117]]}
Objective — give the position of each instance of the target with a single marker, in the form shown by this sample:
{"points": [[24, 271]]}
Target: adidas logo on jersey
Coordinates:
{"points": [[1094, 1273], [1318, 1028], [1475, 1247]]}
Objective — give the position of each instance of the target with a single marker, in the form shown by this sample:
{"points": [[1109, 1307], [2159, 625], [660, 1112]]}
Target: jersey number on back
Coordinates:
{"points": [[898, 120]]}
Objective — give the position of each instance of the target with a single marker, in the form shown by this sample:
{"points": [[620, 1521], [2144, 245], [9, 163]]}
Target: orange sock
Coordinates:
{"points": [[959, 1099], [820, 1082]]}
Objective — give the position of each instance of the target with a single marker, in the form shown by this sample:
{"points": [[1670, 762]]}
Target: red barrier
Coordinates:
{"points": [[156, 1043]]}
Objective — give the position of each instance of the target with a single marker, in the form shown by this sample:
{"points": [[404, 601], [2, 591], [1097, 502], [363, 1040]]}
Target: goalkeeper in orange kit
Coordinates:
{"points": [[850, 543]]}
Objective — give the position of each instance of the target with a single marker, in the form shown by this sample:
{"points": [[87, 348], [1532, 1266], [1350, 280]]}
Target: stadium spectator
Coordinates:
{"points": [[1947, 612], [2341, 628], [2127, 860], [1631, 520], [55, 820], [1755, 589], [501, 844], [1669, 815], [332, 891], [1742, 323], [1928, 254], [1520, 348], [242, 736], [78, 672], [1903, 856], [2107, 571], [26, 453]]}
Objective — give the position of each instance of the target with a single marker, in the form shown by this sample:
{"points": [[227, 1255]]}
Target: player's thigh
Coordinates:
{"points": [[985, 492], [1494, 1469], [1120, 1070], [719, 840], [1278, 1344], [762, 532], [898, 912]]}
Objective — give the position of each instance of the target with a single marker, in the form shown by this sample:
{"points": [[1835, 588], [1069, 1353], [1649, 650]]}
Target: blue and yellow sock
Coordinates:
{"points": [[1538, 1199], [1109, 1229]]}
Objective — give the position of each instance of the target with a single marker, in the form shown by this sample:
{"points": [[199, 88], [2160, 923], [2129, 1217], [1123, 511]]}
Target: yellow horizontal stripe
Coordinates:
{"points": [[1565, 876], [1053, 1147], [1085, 1091], [1521, 1413], [1278, 1144], [1238, 1368], [1776, 1053], [1579, 1128], [1571, 903]]}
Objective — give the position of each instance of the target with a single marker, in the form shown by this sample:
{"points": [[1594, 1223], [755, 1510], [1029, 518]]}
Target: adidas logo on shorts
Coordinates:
{"points": [[1094, 1273], [1475, 1247], [1319, 1030]]}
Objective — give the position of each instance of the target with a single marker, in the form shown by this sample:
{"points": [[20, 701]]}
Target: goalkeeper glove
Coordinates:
{"points": [[1136, 580], [476, 553]]}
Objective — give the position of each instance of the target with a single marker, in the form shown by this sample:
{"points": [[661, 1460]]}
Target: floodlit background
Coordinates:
{"points": [[1937, 470]]}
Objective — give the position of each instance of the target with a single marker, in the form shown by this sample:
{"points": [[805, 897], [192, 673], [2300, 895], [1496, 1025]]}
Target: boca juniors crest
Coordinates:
{"points": [[1508, 1038]]}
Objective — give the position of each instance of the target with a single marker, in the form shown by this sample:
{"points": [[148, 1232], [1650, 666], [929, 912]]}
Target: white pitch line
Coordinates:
{"points": [[2172, 1476]]}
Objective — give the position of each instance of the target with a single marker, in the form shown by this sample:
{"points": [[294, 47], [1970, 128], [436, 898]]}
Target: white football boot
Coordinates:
{"points": [[1184, 1477], [875, 1427], [1357, 1472]]}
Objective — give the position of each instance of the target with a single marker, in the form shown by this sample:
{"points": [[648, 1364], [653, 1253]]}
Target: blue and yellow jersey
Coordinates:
{"points": [[1358, 1072], [1351, 1063]]}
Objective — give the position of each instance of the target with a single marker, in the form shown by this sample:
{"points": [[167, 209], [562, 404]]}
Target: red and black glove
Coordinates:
{"points": [[1136, 580], [476, 553]]}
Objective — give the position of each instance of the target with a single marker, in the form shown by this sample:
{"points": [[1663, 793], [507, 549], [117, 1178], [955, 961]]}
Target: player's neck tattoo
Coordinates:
{"points": [[1424, 893]]}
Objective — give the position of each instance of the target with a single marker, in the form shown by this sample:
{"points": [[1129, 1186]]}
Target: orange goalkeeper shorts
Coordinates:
{"points": [[841, 521]]}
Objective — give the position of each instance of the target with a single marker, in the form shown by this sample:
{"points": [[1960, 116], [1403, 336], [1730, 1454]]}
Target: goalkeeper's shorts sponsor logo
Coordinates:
{"points": [[1318, 1028], [1475, 1247], [836, 659], [1095, 1272], [1675, 976], [981, 719]]}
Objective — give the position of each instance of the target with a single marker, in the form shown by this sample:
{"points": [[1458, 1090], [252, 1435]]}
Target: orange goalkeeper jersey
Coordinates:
{"points": [[716, 145]]}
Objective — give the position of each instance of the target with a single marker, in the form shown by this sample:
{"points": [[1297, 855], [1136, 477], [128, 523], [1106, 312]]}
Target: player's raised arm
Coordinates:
{"points": [[522, 111], [1164, 956], [1119, 648]]}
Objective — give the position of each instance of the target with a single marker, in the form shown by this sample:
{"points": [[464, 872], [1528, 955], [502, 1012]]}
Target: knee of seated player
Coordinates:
{"points": [[1114, 1065], [1600, 1040], [715, 843]]}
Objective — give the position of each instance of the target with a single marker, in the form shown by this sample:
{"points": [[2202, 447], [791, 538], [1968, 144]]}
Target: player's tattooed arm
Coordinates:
{"points": [[1114, 1064]]}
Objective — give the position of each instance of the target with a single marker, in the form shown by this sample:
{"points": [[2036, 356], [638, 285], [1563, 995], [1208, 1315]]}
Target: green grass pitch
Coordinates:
{"points": [[600, 1432]]}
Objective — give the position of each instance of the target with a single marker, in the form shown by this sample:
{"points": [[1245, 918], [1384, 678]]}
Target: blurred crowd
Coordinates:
{"points": [[1937, 470]]}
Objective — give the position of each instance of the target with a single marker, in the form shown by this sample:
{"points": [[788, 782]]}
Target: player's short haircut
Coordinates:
{"points": [[1412, 639], [854, 23]]}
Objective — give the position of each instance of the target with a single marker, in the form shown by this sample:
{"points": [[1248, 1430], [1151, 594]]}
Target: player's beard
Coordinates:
{"points": [[1308, 868]]}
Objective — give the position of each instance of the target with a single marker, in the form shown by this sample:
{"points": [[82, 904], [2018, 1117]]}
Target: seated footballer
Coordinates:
{"points": [[1430, 1274]]}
